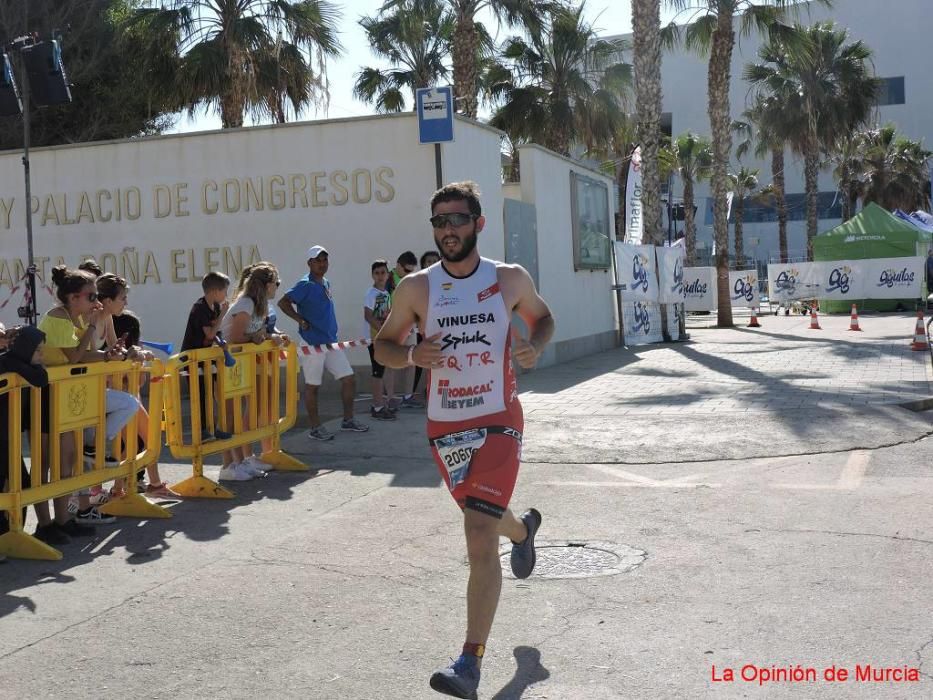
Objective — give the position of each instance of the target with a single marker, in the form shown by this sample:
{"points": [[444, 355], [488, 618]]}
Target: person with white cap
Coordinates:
{"points": [[311, 305]]}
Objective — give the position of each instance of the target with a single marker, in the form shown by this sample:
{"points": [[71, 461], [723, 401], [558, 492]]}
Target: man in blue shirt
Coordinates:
{"points": [[317, 325]]}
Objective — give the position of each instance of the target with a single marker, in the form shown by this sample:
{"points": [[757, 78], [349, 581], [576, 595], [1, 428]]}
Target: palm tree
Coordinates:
{"points": [[743, 182], [894, 169], [714, 32], [240, 55], [693, 156], [561, 87], [762, 120], [825, 91], [646, 23], [468, 37], [848, 172], [414, 36]]}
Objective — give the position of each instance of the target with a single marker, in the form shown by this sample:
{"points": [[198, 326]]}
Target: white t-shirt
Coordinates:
{"points": [[242, 305], [379, 301]]}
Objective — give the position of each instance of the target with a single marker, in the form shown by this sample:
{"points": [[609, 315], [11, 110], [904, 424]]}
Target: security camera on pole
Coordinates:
{"points": [[44, 85]]}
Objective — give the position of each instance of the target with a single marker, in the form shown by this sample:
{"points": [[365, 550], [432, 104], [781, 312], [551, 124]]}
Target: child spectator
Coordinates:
{"points": [[376, 307], [245, 322], [112, 292], [203, 323], [70, 331]]}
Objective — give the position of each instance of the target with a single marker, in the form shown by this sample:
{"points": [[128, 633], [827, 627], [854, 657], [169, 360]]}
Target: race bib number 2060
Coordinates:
{"points": [[456, 451]]}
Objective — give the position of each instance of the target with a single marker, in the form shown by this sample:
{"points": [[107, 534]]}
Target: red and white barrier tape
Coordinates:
{"points": [[358, 343]]}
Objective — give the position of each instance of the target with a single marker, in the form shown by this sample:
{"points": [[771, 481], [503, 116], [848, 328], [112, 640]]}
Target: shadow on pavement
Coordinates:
{"points": [[529, 672]]}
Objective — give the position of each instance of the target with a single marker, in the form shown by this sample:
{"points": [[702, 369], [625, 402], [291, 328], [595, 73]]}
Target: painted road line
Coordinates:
{"points": [[850, 479]]}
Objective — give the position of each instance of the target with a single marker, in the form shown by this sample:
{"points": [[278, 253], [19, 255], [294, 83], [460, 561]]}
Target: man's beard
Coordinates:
{"points": [[467, 246]]}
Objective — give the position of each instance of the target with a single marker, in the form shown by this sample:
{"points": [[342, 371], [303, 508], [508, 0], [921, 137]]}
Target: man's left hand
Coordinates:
{"points": [[524, 352]]}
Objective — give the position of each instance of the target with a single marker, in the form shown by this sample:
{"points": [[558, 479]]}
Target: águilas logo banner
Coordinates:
{"points": [[891, 278], [640, 272], [635, 272], [786, 281], [839, 279], [699, 290], [671, 274], [642, 318], [744, 286]]}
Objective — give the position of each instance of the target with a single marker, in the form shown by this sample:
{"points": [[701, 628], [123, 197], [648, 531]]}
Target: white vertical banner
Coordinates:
{"points": [[743, 286], [671, 274], [635, 272], [634, 220], [699, 290], [674, 312], [641, 321], [841, 280]]}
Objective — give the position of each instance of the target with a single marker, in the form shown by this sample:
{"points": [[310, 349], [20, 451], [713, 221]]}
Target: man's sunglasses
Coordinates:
{"points": [[455, 219]]}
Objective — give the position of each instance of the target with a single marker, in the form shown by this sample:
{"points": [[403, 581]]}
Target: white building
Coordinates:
{"points": [[896, 31]]}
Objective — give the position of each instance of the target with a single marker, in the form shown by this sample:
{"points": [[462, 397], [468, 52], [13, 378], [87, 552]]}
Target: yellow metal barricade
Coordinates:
{"points": [[73, 402], [248, 405]]}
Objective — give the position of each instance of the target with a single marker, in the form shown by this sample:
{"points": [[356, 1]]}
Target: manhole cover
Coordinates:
{"points": [[577, 559]]}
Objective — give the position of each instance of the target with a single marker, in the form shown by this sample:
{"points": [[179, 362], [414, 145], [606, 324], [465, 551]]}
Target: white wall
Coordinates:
{"points": [[354, 229], [581, 302]]}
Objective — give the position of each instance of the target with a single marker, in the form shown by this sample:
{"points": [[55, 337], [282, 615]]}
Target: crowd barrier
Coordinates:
{"points": [[75, 403], [244, 399]]}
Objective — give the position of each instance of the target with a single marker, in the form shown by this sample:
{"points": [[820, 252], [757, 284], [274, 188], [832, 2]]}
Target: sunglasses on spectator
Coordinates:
{"points": [[91, 296], [455, 219]]}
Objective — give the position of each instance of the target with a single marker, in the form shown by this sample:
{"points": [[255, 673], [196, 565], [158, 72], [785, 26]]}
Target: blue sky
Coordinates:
{"points": [[607, 16]]}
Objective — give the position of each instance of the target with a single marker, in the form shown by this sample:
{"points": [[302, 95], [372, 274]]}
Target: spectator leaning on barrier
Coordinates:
{"points": [[21, 353], [203, 323], [245, 322], [317, 325]]}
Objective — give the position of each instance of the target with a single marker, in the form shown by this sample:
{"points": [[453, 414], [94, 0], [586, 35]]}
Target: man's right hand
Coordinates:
{"points": [[303, 325], [428, 353]]}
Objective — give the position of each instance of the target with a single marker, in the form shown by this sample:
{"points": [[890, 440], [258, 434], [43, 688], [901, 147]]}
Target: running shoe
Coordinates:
{"points": [[90, 456], [523, 553], [92, 516], [411, 402], [354, 426], [320, 433], [381, 413], [460, 679], [235, 472]]}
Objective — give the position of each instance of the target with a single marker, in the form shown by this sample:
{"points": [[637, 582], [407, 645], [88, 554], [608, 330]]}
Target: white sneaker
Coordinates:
{"points": [[256, 466], [235, 472]]}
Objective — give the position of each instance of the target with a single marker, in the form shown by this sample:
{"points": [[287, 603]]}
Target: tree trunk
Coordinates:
{"points": [[646, 22], [720, 62], [690, 224], [811, 171], [465, 44], [780, 200], [738, 209]]}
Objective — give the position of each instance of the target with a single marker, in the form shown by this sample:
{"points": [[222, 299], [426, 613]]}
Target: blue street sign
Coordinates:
{"points": [[435, 114]]}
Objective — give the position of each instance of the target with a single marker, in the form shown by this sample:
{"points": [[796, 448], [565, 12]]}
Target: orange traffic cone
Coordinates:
{"points": [[814, 320], [754, 322], [853, 322], [920, 335]]}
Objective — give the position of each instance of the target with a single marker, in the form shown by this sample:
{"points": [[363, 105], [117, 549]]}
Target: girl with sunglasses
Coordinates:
{"points": [[70, 330]]}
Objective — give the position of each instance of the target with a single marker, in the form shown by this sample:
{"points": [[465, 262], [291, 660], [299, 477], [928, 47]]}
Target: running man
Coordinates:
{"points": [[463, 309]]}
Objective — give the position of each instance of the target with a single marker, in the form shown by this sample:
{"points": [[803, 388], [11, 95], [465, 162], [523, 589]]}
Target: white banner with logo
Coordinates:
{"points": [[641, 322], [743, 289], [634, 220], [635, 272], [792, 281], [671, 274], [699, 289], [844, 280]]}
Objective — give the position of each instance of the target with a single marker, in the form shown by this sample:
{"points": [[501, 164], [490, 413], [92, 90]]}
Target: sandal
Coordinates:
{"points": [[161, 491]]}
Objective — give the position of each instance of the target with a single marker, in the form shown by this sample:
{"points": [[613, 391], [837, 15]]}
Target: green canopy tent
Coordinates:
{"points": [[872, 233]]}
